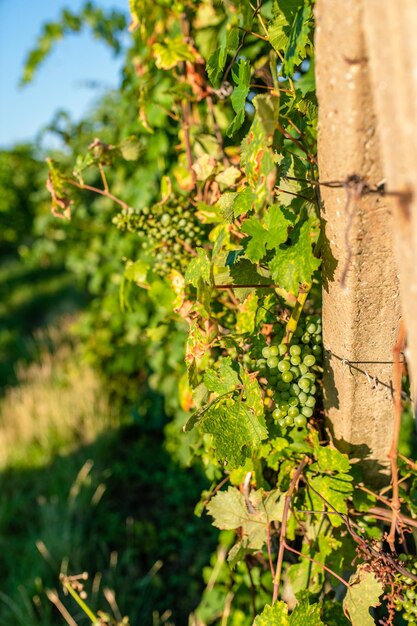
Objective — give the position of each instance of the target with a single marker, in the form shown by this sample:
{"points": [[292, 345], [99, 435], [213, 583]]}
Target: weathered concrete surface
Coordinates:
{"points": [[360, 318], [390, 31]]}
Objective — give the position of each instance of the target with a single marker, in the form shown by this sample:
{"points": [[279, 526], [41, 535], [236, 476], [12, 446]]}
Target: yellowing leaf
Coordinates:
{"points": [[276, 615], [231, 511], [364, 592], [172, 52]]}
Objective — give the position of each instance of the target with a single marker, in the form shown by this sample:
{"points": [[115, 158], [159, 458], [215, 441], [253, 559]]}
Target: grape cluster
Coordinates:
{"points": [[170, 233], [291, 372], [406, 601]]}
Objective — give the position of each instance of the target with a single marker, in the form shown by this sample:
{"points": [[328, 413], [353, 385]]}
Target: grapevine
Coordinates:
{"points": [[236, 219]]}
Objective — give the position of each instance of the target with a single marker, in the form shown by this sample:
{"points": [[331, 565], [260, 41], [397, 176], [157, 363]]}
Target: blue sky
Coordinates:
{"points": [[60, 80]]}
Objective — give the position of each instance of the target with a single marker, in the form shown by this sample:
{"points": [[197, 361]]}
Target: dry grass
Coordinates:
{"points": [[58, 405]]}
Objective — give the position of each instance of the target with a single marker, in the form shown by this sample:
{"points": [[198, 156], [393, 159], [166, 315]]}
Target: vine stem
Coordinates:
{"points": [[393, 454], [101, 192], [283, 531], [309, 558], [296, 312], [268, 544], [215, 490]]}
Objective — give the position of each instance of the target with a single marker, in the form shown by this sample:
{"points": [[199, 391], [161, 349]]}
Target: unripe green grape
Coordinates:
{"points": [[293, 401], [316, 350], [284, 366], [304, 384], [309, 360], [306, 338], [300, 421], [307, 411], [276, 413], [303, 369], [287, 377], [295, 360], [294, 389], [272, 362], [303, 397], [310, 376], [266, 352], [282, 348], [293, 411], [311, 328], [273, 351], [295, 350], [282, 422], [289, 421], [310, 401]]}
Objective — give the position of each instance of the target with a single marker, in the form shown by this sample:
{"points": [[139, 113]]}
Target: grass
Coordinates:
{"points": [[85, 490], [30, 298]]}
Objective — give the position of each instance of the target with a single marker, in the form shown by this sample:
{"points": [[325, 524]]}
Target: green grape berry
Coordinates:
{"points": [[287, 377], [309, 360], [300, 421], [272, 362]]}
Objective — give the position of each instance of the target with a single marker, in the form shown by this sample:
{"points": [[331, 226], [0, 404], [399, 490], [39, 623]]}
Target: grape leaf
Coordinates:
{"points": [[276, 615], [363, 593], [243, 201], [239, 95], [236, 431], [283, 12], [331, 459], [245, 317], [335, 490], [222, 380], [306, 614], [130, 148], [56, 185], [278, 37], [299, 37], [217, 61], [295, 264], [231, 511], [266, 233], [252, 392], [172, 52], [199, 269], [257, 156]]}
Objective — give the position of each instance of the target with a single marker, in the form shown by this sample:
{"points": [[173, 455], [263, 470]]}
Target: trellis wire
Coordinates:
{"points": [[373, 381]]}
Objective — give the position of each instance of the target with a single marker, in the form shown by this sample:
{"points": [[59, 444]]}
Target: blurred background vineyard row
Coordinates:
{"points": [[93, 475]]}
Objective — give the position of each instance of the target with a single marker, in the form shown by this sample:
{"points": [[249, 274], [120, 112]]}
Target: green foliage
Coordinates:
{"points": [[195, 226], [20, 175], [364, 592], [277, 615], [239, 95], [231, 511]]}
